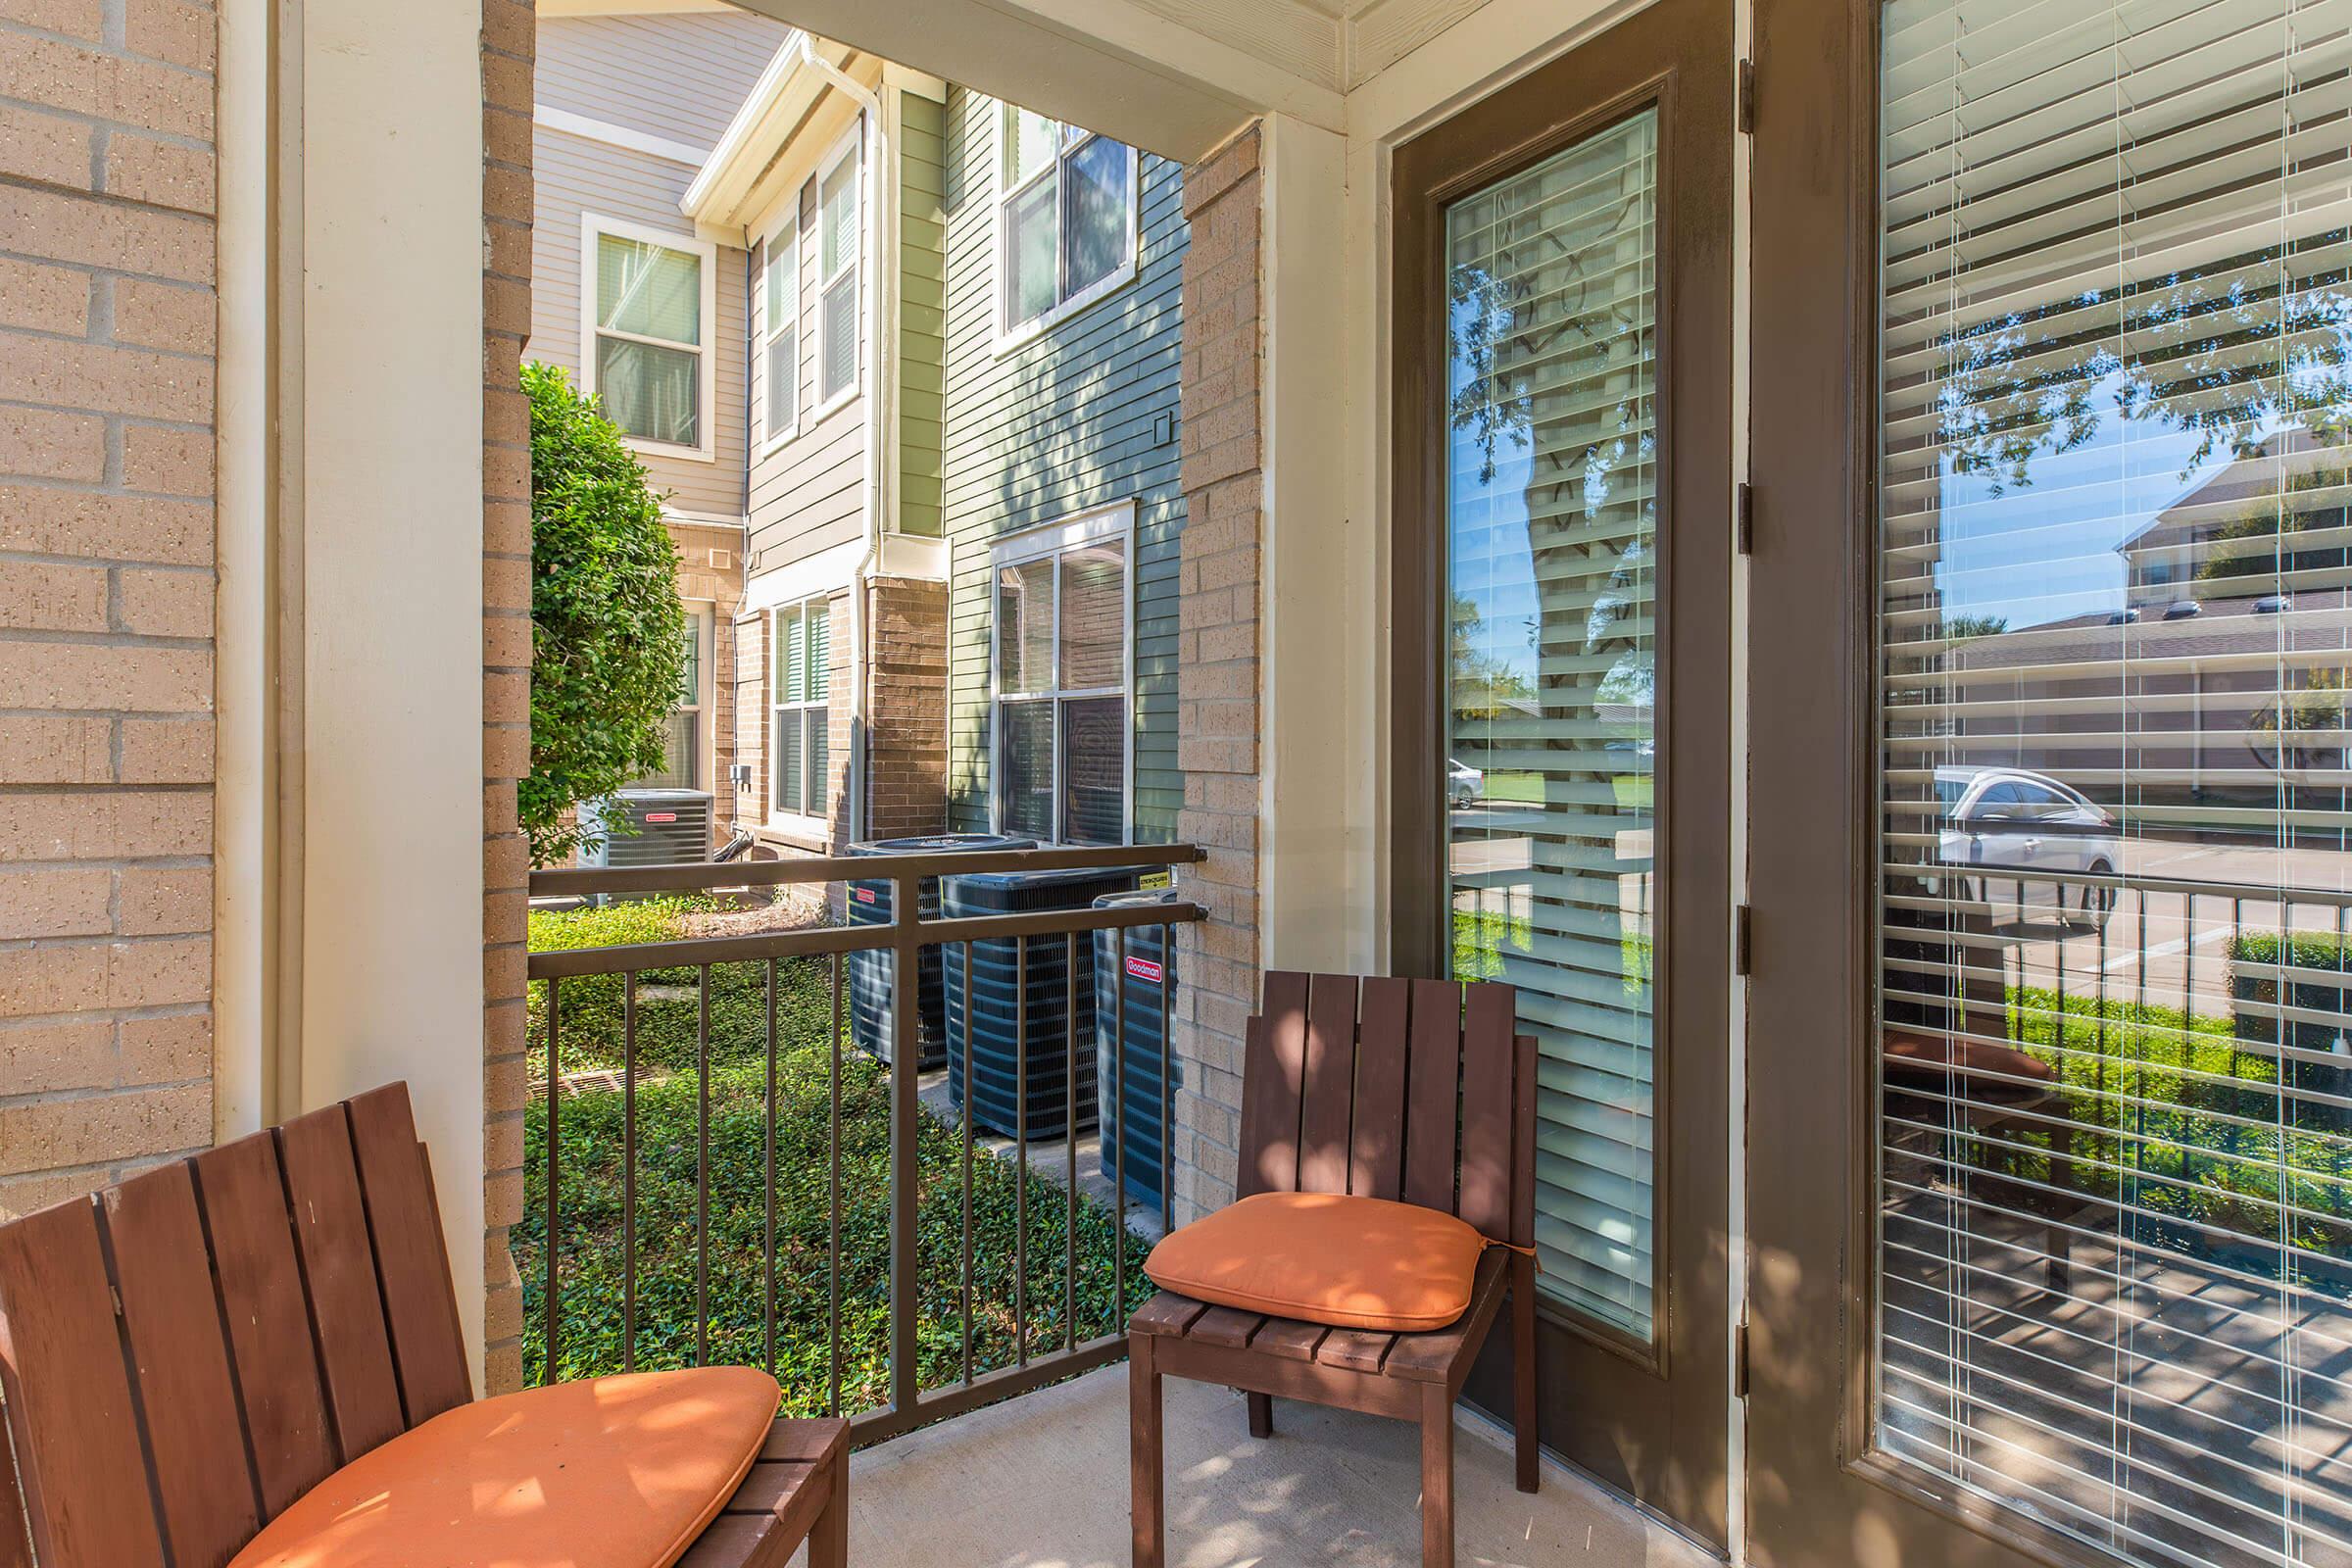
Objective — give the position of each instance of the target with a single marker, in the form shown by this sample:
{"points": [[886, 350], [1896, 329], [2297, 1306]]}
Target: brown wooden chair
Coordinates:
{"points": [[1412, 1089], [185, 1354]]}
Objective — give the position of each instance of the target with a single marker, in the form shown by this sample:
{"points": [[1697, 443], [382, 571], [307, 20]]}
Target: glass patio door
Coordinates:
{"points": [[2102, 1272], [1568, 456]]}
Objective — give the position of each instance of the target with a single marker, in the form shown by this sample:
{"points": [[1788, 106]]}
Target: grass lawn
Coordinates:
{"points": [[590, 1234]]}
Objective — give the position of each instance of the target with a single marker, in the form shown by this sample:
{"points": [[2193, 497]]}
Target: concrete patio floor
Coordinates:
{"points": [[1040, 1482]]}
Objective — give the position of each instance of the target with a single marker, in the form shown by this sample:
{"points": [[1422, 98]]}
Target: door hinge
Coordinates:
{"points": [[1744, 518], [1740, 1360], [1742, 921], [1745, 106]]}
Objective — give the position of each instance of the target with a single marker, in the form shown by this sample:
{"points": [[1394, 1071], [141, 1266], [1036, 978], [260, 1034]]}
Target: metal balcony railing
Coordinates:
{"points": [[947, 1269]]}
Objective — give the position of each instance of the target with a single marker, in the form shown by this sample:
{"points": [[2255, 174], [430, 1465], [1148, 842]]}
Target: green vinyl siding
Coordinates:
{"points": [[922, 310], [1068, 421]]}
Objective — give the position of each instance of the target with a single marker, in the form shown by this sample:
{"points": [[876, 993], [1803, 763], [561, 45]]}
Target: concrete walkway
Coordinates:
{"points": [[1040, 1482]]}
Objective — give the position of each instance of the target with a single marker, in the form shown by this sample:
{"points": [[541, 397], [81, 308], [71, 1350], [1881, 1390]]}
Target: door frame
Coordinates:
{"points": [[1817, 1489], [1601, 1391]]}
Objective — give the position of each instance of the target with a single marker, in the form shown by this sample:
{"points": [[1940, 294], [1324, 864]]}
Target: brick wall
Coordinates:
{"points": [[750, 701], [907, 753], [711, 581], [107, 338], [508, 34], [840, 738], [1217, 664]]}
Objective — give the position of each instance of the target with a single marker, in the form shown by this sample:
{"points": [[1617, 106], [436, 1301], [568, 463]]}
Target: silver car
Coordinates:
{"points": [[2048, 837]]}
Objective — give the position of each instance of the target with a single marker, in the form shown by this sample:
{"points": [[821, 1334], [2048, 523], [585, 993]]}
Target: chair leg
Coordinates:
{"points": [[1262, 1415], [1437, 1477], [1525, 1437], [830, 1537], [1148, 1500]]}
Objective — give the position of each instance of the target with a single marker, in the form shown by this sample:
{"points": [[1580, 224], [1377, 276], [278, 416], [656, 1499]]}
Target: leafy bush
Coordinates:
{"points": [[609, 645]]}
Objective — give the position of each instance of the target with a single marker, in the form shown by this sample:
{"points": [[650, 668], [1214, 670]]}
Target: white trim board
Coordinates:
{"points": [[828, 571], [612, 135]]}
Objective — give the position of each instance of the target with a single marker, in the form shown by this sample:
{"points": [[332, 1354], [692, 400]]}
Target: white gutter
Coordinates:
{"points": [[738, 135], [879, 309]]}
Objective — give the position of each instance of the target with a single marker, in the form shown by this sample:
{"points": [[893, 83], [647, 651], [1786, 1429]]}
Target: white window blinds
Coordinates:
{"points": [[2114, 1169]]}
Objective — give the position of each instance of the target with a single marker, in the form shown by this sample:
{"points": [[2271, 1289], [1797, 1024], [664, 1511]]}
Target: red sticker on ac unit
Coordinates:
{"points": [[661, 816], [866, 895], [1143, 969]]}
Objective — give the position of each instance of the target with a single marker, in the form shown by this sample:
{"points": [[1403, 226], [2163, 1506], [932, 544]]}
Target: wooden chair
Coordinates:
{"points": [[185, 1354], [1422, 1094]]}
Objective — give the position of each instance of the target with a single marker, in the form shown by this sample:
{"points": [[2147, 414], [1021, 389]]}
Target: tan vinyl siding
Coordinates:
{"points": [[1067, 421], [680, 76], [923, 311], [808, 494], [577, 176]]}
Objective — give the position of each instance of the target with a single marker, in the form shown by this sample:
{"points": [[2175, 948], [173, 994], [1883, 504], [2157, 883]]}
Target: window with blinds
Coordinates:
{"points": [[2114, 1160], [1551, 527]]}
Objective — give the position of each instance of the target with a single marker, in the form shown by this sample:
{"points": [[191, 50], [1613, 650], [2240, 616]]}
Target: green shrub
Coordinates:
{"points": [[609, 635]]}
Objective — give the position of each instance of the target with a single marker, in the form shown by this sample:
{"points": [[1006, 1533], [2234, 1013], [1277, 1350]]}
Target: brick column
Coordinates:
{"points": [[750, 684], [509, 42], [107, 355], [907, 753], [1217, 664]]}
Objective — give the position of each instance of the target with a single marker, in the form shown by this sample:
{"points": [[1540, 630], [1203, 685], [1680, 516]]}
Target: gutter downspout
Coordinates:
{"points": [[878, 303]]}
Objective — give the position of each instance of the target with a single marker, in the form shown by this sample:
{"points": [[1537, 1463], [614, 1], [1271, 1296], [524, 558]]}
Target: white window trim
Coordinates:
{"points": [[1114, 522], [806, 826], [707, 424], [1008, 338], [788, 219], [850, 145]]}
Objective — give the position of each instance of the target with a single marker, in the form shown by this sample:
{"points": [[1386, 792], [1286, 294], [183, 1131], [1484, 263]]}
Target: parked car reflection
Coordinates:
{"points": [[2009, 819]]}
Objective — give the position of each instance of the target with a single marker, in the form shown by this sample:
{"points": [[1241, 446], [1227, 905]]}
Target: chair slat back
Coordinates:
{"points": [[61, 1368], [420, 1304], [1385, 1088], [268, 1318], [338, 1265], [204, 1486], [170, 1349]]}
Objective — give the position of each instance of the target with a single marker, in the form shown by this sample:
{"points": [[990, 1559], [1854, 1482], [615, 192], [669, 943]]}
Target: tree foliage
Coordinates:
{"points": [[608, 631]]}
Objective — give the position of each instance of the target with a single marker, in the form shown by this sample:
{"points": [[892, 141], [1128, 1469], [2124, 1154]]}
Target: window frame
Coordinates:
{"points": [[594, 227], [850, 146], [791, 818], [1009, 336], [1049, 543], [786, 226]]}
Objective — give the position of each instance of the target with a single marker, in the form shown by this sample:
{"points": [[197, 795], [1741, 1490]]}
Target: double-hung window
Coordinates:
{"points": [[837, 245], [1067, 220], [802, 648], [780, 332], [682, 739], [645, 346], [1060, 612]]}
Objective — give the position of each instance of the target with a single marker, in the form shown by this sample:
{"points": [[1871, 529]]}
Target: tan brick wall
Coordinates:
{"points": [[1217, 663], [840, 736], [710, 578], [750, 700], [107, 343], [509, 36], [907, 751]]}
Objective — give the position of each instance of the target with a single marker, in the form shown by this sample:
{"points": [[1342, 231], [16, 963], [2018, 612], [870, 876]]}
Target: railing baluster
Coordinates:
{"points": [[702, 1170], [1118, 1116], [967, 1275], [1020, 1148], [628, 1172], [906, 1304], [833, 1199], [1167, 1083], [555, 1166], [1069, 1134], [767, 1182]]}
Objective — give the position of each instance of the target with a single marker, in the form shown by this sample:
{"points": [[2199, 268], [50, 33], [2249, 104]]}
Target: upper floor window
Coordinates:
{"points": [[780, 331], [1061, 602], [837, 245], [1066, 219], [645, 348]]}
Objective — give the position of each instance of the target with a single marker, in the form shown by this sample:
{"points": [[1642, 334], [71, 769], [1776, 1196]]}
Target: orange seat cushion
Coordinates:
{"points": [[1351, 1262], [619, 1472]]}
